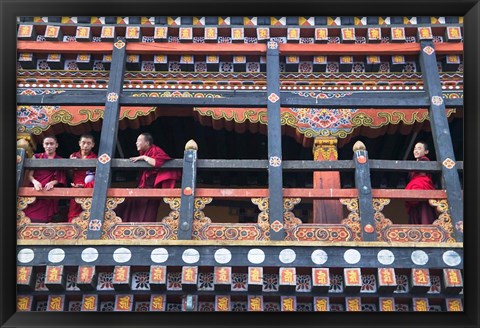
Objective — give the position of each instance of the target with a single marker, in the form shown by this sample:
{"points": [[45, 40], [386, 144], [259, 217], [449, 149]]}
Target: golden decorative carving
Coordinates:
{"points": [[22, 203], [199, 218], [172, 219], [353, 219], [325, 148], [444, 220], [111, 219], [25, 141]]}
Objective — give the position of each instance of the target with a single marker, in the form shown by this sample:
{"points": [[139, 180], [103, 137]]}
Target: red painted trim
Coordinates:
{"points": [[238, 48], [237, 193]]}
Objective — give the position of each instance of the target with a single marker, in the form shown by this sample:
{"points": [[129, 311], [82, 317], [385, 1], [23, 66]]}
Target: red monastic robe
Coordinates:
{"points": [[420, 212], [42, 210], [145, 210], [78, 177]]}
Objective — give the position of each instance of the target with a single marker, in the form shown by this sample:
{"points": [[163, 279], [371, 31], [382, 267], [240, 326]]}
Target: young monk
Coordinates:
{"points": [[420, 212], [82, 178], [145, 210], [42, 210]]}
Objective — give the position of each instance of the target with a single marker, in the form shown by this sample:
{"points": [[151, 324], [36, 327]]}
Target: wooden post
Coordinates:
{"points": [[364, 188], [441, 135], [108, 139], [189, 181], [326, 211], [275, 179], [20, 164]]}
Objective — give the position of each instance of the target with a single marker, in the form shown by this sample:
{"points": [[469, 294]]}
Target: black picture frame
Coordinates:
{"points": [[470, 9]]}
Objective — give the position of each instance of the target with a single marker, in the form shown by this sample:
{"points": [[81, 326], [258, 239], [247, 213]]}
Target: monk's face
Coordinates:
{"points": [[86, 145], [419, 150], [50, 145], [142, 144]]}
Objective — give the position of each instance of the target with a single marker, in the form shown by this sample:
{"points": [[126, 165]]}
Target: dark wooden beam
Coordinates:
{"points": [[248, 165], [441, 136], [187, 206], [108, 139], [275, 173], [250, 98], [365, 199]]}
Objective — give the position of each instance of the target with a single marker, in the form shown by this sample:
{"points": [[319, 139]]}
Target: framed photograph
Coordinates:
{"points": [[203, 272]]}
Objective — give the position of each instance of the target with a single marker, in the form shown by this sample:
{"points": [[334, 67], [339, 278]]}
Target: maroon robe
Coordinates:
{"points": [[78, 177], [144, 209], [42, 210], [420, 212]]}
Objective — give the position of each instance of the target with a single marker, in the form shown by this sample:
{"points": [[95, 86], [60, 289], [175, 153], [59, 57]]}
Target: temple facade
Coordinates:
{"points": [[294, 138]]}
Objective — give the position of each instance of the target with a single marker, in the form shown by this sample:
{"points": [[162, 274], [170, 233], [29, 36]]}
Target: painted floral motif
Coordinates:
{"points": [[307, 40], [40, 282], [142, 306], [333, 39], [70, 65], [336, 283], [436, 287], [206, 307], [271, 307], [140, 281], [105, 281], [435, 308], [410, 67], [369, 307], [410, 39], [402, 307], [173, 39], [41, 306], [369, 283], [322, 118], [148, 39], [74, 306], [224, 39], [239, 281], [270, 282], [174, 281], [360, 40], [336, 307], [172, 307], [42, 64], [174, 67], [402, 284], [385, 39], [304, 283], [250, 40], [358, 68], [98, 65], [332, 67], [239, 306], [226, 67], [280, 39], [305, 67], [384, 68], [200, 67], [96, 39], [148, 66], [304, 307], [437, 38], [253, 67], [198, 39], [205, 281], [41, 38], [72, 282], [107, 306]]}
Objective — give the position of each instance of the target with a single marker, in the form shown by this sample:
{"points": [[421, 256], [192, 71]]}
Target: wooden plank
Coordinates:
{"points": [[20, 174], [187, 206], [365, 197], [275, 171], [441, 136], [108, 137]]}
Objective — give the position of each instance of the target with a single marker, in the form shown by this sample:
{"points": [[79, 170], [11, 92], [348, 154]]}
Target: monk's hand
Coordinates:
{"points": [[77, 185], [49, 185], [37, 185], [135, 159]]}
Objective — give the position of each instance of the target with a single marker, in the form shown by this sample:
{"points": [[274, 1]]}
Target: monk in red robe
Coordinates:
{"points": [[420, 212], [82, 178], [145, 210], [42, 210]]}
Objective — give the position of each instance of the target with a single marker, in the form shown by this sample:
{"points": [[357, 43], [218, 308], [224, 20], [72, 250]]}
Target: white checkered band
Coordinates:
{"points": [[437, 100], [428, 50]]}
